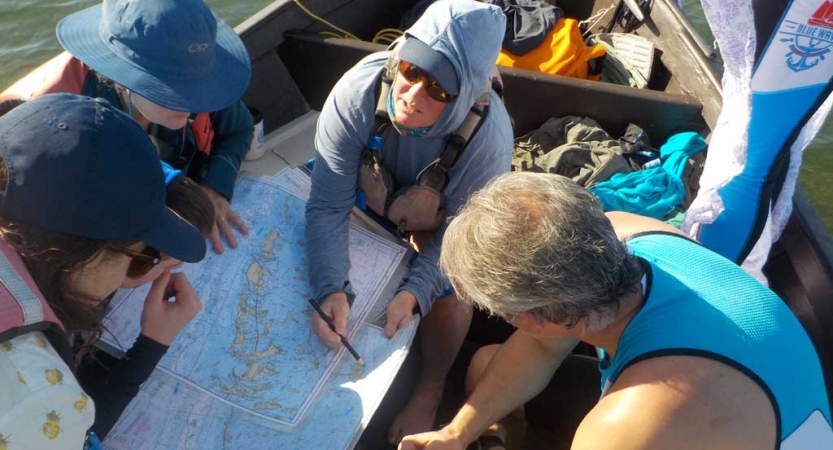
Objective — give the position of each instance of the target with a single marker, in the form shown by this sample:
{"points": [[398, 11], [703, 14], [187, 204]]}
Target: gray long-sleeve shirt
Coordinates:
{"points": [[469, 35]]}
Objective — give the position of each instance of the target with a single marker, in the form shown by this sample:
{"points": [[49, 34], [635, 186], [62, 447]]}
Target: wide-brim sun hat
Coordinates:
{"points": [[80, 166], [175, 53]]}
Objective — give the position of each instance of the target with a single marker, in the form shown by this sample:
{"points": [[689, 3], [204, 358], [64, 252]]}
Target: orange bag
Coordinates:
{"points": [[562, 53]]}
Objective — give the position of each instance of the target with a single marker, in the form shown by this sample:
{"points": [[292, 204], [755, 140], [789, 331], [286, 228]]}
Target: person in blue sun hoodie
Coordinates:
{"points": [[389, 140]]}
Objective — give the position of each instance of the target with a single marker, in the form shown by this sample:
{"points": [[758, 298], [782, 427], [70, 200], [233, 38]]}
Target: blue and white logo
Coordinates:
{"points": [[809, 42]]}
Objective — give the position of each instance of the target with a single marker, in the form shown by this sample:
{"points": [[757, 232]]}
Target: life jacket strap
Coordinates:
{"points": [[203, 132], [435, 175]]}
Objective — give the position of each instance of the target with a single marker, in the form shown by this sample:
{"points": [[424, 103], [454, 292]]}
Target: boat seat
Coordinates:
{"points": [[316, 62], [291, 145]]}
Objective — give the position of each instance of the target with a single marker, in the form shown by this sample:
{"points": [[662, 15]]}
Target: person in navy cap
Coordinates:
{"points": [[82, 212], [178, 69]]}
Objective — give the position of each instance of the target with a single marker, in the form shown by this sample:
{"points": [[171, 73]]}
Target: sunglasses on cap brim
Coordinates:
{"points": [[414, 75], [140, 262]]}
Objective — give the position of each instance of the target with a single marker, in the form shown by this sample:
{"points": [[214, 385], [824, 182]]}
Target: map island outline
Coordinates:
{"points": [[251, 347]]}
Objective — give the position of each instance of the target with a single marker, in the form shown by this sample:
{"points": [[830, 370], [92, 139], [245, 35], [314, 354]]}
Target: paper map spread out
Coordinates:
{"points": [[248, 370]]}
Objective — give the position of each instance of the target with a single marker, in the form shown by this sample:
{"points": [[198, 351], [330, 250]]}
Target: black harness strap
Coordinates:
{"points": [[385, 82], [435, 175]]}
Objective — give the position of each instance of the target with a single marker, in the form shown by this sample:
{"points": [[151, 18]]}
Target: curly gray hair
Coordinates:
{"points": [[538, 243]]}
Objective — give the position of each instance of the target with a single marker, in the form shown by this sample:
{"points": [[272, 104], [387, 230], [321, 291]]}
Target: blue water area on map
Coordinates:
{"points": [[252, 344], [170, 414], [257, 377]]}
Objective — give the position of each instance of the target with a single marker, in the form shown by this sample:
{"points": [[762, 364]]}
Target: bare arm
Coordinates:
{"points": [[519, 370], [681, 403], [628, 224]]}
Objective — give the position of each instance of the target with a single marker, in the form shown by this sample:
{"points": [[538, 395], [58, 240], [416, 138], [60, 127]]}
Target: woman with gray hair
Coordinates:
{"points": [[678, 327]]}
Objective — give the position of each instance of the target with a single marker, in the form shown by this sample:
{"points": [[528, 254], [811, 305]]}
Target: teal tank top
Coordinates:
{"points": [[698, 303]]}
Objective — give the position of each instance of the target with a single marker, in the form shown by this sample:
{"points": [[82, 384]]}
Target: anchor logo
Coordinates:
{"points": [[809, 43]]}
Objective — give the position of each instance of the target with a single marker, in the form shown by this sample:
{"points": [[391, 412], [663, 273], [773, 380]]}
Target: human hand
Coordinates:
{"points": [[224, 217], [432, 440], [399, 313], [335, 306], [162, 319], [419, 207]]}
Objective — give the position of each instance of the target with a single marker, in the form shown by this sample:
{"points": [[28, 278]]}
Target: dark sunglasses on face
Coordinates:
{"points": [[140, 262], [414, 75]]}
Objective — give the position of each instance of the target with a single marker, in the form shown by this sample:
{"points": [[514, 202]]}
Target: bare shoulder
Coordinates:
{"points": [[680, 402], [628, 224]]}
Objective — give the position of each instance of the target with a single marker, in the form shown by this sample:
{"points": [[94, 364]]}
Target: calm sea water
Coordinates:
{"points": [[28, 38], [27, 28]]}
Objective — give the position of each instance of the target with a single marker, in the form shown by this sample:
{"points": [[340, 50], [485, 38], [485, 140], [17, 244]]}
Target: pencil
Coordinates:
{"points": [[333, 327]]}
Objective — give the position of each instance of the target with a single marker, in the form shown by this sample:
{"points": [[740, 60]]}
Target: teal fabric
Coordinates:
{"points": [[233, 134], [701, 304], [675, 218], [653, 192]]}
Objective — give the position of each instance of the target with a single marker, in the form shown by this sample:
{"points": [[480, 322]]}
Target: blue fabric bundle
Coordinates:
{"points": [[656, 191]]}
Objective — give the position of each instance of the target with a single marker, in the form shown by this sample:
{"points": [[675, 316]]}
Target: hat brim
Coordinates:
{"points": [[175, 237], [78, 34], [435, 63]]}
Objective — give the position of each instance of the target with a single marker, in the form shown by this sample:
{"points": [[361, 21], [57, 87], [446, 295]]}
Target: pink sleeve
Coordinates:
{"points": [[63, 73]]}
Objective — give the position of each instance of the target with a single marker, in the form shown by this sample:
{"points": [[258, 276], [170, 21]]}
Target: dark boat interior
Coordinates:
{"points": [[294, 68]]}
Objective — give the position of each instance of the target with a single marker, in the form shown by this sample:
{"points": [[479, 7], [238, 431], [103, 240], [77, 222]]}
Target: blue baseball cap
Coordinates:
{"points": [[431, 61], [79, 166], [175, 53]]}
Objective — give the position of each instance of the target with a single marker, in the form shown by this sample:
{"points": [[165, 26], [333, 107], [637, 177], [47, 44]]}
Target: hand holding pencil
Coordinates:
{"points": [[329, 321], [336, 308]]}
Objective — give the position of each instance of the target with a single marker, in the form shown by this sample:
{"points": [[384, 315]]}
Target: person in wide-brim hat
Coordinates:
{"points": [[175, 53], [176, 68]]}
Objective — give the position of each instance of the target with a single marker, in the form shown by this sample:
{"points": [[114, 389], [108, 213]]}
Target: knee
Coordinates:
{"points": [[479, 362]]}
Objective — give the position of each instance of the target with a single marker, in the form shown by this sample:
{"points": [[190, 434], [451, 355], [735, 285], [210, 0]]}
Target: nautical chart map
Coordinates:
{"points": [[249, 365]]}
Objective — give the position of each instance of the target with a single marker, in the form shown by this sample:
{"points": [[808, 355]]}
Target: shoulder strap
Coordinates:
{"points": [[203, 132], [385, 82], [435, 175], [21, 302], [372, 156], [23, 308]]}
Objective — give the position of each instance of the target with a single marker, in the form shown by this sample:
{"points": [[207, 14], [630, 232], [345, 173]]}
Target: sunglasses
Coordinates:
{"points": [[140, 262], [414, 75]]}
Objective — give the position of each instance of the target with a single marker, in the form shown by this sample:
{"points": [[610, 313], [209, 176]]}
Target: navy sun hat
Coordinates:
{"points": [[435, 63], [79, 166], [175, 53]]}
